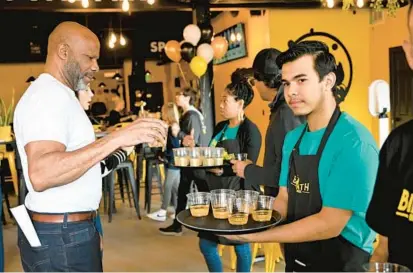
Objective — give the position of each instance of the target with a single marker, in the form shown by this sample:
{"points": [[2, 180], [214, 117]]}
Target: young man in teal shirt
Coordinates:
{"points": [[328, 170]]}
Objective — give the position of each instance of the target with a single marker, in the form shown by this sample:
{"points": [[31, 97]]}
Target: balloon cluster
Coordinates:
{"points": [[198, 57]]}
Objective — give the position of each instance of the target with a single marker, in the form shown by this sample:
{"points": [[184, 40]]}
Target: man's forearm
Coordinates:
{"points": [[312, 228], [60, 168]]}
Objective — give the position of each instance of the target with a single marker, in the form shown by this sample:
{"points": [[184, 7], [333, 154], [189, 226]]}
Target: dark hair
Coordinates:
{"points": [[324, 62], [192, 93], [410, 8], [239, 87], [266, 69]]}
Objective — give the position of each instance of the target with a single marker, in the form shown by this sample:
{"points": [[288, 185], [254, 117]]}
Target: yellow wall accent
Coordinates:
{"points": [[354, 33]]}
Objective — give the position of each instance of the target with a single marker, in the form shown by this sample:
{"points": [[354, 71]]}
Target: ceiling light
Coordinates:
{"points": [[151, 2], [71, 1], [113, 38], [122, 40], [102, 84], [125, 5], [330, 4], [117, 77], [85, 3]]}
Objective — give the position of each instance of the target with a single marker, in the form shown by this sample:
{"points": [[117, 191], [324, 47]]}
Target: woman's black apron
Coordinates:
{"points": [[304, 199], [232, 146]]}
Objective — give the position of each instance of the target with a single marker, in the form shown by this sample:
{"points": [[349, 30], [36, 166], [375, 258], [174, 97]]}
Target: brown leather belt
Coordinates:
{"points": [[59, 218]]}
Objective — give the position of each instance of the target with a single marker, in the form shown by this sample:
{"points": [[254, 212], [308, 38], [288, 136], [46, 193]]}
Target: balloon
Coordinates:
{"points": [[206, 33], [198, 66], [172, 50], [187, 51], [206, 52], [192, 34], [220, 46]]}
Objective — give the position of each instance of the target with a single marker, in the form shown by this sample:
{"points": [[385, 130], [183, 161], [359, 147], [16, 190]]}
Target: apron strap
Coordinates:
{"points": [[329, 130]]}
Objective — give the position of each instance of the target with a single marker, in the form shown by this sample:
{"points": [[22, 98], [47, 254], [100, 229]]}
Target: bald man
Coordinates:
{"points": [[61, 158]]}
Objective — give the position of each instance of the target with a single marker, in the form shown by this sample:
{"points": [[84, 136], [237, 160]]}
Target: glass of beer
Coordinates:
{"points": [[251, 196], [263, 209], [219, 156], [195, 159], [241, 156], [198, 203], [181, 157], [220, 200], [239, 209], [385, 267], [208, 159]]}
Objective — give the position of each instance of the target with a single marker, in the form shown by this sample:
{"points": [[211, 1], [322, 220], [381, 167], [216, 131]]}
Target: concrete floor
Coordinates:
{"points": [[133, 245]]}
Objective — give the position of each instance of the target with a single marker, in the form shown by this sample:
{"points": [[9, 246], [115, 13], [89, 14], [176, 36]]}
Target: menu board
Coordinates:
{"points": [[237, 46]]}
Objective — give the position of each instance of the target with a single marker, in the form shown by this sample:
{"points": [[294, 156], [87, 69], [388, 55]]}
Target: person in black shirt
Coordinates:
{"points": [[268, 83], [192, 133], [390, 211]]}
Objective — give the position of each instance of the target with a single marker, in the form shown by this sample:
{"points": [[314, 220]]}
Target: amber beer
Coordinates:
{"points": [[264, 207], [220, 200], [238, 219], [199, 210], [220, 212], [198, 203], [262, 215]]}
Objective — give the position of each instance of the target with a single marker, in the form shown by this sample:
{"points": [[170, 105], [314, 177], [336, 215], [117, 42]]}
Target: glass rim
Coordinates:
{"points": [[368, 266]]}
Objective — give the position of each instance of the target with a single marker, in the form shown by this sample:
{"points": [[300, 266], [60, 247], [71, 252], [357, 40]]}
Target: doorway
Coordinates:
{"points": [[401, 87]]}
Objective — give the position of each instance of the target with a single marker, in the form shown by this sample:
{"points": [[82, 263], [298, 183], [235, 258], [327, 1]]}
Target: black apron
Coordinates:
{"points": [[214, 182], [304, 199]]}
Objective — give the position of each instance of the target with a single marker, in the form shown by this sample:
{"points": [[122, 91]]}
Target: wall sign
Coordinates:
{"points": [[237, 45]]}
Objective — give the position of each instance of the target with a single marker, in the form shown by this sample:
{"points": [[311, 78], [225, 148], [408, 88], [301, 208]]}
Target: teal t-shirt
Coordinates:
{"points": [[229, 133], [347, 172]]}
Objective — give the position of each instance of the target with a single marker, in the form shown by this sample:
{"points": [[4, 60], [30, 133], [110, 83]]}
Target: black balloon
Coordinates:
{"points": [[187, 51], [206, 33]]}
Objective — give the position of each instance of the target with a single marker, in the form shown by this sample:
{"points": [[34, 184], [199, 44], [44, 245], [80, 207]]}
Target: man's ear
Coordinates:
{"points": [[330, 80], [63, 51]]}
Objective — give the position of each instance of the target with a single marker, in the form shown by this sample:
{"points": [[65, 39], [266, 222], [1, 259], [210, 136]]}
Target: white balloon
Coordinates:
{"points": [[206, 52], [192, 34]]}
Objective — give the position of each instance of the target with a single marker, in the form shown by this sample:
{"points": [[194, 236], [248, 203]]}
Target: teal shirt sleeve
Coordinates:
{"points": [[351, 179]]}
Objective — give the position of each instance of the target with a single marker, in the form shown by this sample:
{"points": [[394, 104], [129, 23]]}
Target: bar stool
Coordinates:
{"points": [[110, 184]]}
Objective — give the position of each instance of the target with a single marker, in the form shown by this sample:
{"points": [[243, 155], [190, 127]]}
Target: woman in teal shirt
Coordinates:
{"points": [[237, 134]]}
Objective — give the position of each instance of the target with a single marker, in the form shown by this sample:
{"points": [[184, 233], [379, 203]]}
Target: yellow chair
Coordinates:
{"points": [[272, 254], [233, 255]]}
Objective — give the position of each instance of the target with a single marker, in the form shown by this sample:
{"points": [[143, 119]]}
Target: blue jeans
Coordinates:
{"points": [[210, 251], [69, 246]]}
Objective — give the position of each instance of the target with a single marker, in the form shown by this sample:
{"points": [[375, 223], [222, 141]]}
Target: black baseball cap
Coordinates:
{"points": [[264, 63]]}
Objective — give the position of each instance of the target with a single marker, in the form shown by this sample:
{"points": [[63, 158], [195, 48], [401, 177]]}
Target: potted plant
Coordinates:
{"points": [[6, 118]]}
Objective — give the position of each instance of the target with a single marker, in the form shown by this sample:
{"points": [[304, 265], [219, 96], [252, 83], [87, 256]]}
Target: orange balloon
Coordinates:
{"points": [[220, 46], [173, 50]]}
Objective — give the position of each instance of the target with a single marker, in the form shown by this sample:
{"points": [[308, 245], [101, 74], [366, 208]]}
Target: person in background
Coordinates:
{"points": [[170, 115], [390, 210], [328, 170], [61, 158], [109, 163], [192, 132], [267, 77], [237, 134]]}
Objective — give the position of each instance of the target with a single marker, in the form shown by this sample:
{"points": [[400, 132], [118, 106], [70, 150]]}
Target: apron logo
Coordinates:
{"points": [[405, 208], [300, 187]]}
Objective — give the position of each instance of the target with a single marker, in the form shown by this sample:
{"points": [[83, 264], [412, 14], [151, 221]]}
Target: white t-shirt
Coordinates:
{"points": [[49, 110]]}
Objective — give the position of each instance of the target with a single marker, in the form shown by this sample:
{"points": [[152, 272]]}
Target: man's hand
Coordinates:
{"points": [[239, 167], [188, 140], [142, 130], [216, 171]]}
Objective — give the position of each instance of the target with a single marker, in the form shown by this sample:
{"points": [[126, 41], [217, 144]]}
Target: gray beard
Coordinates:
{"points": [[81, 85]]}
